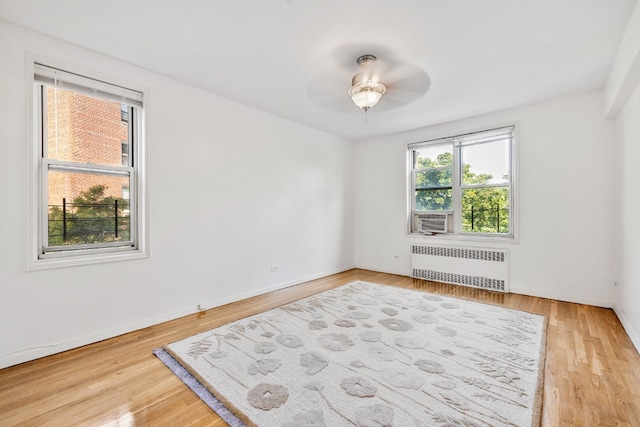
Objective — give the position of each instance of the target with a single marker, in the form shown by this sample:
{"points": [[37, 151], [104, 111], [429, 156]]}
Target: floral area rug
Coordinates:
{"points": [[370, 355]]}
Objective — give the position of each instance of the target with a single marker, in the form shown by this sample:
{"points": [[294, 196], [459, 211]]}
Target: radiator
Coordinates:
{"points": [[475, 267]]}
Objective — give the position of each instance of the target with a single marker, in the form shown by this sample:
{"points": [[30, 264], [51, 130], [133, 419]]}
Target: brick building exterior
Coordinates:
{"points": [[85, 129]]}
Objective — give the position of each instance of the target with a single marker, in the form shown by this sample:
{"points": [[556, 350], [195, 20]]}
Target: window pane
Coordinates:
{"points": [[434, 178], [485, 210], [435, 155], [87, 208], [433, 200], [84, 129], [486, 163]]}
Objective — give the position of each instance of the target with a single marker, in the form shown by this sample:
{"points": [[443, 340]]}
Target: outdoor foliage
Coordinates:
{"points": [[484, 210], [91, 217]]}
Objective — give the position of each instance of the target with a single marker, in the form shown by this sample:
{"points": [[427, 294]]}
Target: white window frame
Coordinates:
{"points": [[456, 233], [40, 69]]}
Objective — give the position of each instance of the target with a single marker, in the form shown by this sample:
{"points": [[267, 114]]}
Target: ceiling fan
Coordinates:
{"points": [[381, 81]]}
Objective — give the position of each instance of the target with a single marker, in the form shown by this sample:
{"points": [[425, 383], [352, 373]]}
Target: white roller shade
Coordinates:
{"points": [[54, 77], [485, 136], [470, 138]]}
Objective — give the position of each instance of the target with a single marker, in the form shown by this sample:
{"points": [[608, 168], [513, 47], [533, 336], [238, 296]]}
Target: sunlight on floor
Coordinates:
{"points": [[124, 420]]}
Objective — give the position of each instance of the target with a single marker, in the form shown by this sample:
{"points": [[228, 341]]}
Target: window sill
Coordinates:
{"points": [[84, 259], [444, 238]]}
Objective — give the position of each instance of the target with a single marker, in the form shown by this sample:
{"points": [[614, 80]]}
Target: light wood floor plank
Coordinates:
{"points": [[592, 370]]}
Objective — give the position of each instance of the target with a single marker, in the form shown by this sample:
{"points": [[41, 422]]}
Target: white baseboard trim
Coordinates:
{"points": [[516, 290], [634, 336], [384, 270], [561, 297], [36, 352], [222, 301]]}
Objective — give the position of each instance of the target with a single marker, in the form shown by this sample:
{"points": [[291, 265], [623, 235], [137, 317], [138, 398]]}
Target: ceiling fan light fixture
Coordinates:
{"points": [[367, 95], [366, 88]]}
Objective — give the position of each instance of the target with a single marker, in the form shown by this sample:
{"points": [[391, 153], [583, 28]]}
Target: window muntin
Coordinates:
{"points": [[88, 178], [467, 177]]}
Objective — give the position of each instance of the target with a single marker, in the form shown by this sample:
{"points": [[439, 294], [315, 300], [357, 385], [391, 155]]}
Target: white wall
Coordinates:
{"points": [[566, 180], [232, 190], [624, 75], [623, 91], [627, 304]]}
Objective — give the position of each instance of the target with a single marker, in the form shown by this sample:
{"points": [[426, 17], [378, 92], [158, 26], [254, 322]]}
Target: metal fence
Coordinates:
{"points": [[488, 220], [88, 223]]}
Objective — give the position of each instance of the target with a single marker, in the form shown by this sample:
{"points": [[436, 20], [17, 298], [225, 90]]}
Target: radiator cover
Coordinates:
{"points": [[474, 267]]}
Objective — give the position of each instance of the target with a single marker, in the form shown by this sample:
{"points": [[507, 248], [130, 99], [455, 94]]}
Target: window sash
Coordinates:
{"points": [[130, 173], [498, 210]]}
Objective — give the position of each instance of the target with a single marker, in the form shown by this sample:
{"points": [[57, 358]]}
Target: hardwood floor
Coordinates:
{"points": [[592, 373]]}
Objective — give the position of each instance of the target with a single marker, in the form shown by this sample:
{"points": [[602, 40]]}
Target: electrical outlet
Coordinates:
{"points": [[396, 257], [274, 268]]}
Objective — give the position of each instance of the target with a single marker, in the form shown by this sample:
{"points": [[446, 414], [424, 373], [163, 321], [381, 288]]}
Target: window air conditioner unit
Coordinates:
{"points": [[432, 223]]}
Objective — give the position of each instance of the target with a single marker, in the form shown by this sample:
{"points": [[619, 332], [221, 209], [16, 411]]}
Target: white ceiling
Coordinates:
{"points": [[295, 58]]}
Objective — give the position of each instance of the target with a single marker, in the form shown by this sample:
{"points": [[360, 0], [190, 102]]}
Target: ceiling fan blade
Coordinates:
{"points": [[329, 91], [409, 87]]}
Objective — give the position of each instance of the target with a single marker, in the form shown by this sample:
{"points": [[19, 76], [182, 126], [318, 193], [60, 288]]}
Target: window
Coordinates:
{"points": [[89, 165], [124, 113], [463, 184], [125, 152]]}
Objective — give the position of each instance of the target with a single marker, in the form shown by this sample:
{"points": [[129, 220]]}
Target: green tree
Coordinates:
{"points": [[484, 210], [434, 183], [91, 217]]}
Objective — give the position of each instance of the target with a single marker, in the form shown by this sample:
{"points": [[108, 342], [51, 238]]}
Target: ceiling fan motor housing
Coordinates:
{"points": [[366, 86]]}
